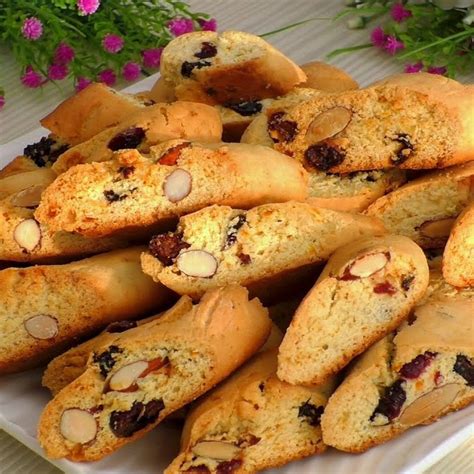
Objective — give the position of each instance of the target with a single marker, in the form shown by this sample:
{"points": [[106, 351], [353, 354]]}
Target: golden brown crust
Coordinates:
{"points": [[20, 164], [158, 123], [82, 297], [327, 78], [209, 332], [88, 112]]}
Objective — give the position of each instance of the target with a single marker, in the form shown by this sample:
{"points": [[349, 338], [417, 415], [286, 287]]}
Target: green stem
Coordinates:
{"points": [[293, 25], [340, 51], [459, 35]]}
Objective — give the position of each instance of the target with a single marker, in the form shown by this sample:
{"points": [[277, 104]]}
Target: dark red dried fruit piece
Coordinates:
{"points": [[128, 139], [246, 108], [281, 130], [201, 469], [45, 151], [405, 150], [438, 378], [208, 50], [244, 258], [234, 225], [172, 155], [154, 365], [105, 360], [323, 157], [391, 402], [121, 326], [411, 319], [112, 196], [463, 366], [125, 423], [311, 413], [228, 467], [188, 67], [248, 440], [385, 288], [126, 171], [407, 281], [166, 247], [96, 409], [417, 366]]}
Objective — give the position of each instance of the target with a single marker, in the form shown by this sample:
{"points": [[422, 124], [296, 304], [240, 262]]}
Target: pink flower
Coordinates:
{"points": [[31, 78], [64, 54], [112, 43], [415, 67], [87, 7], [392, 45], [57, 72], [82, 83], [2, 101], [180, 26], [131, 71], [152, 57], [32, 28], [399, 12], [437, 70], [378, 37], [208, 25], [108, 77]]}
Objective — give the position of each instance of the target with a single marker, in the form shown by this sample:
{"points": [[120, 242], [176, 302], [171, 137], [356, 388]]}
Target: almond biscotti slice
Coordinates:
{"points": [[45, 309], [425, 209], [252, 421], [151, 371], [265, 248], [35, 181], [458, 256], [90, 111], [366, 290], [19, 164], [232, 66], [68, 366], [411, 377], [150, 126], [379, 128], [132, 191]]}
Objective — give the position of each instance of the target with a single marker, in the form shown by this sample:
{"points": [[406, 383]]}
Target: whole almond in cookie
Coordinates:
{"points": [[177, 185], [219, 450], [29, 197], [328, 124], [42, 326], [78, 426], [197, 263], [27, 234]]}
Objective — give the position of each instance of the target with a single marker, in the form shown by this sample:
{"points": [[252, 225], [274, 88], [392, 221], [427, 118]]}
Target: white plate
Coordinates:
{"points": [[22, 399]]}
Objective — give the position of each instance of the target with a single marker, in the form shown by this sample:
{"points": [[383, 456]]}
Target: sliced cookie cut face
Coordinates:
{"points": [[365, 291], [415, 375]]}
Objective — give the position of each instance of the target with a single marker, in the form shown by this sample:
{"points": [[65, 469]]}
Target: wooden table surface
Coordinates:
{"points": [[307, 42]]}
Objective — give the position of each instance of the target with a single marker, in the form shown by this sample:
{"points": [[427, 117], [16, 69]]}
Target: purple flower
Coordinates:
{"points": [[87, 7], [112, 43], [2, 101], [64, 54], [437, 70], [108, 77], [152, 57], [131, 71], [32, 28], [82, 83], [57, 72], [415, 67], [180, 26], [378, 37], [392, 45], [399, 12], [31, 78], [208, 25]]}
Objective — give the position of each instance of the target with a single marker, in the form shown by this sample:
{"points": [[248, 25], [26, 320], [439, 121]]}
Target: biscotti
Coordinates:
{"points": [[426, 208], [68, 366], [162, 91], [236, 117], [19, 164], [45, 309], [151, 371], [227, 67], [264, 248], [366, 290], [35, 181], [377, 128], [458, 256], [132, 191], [326, 77], [90, 111], [251, 422], [414, 376], [150, 126]]}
